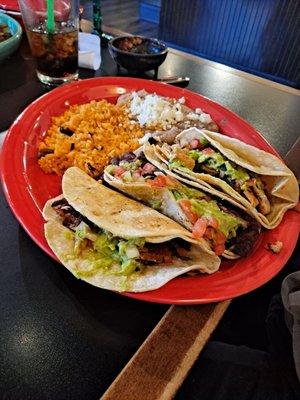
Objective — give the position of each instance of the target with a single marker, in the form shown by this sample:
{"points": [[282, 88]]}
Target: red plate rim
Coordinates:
{"points": [[160, 295]]}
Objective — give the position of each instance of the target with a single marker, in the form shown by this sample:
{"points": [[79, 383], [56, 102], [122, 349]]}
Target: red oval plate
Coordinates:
{"points": [[27, 188]]}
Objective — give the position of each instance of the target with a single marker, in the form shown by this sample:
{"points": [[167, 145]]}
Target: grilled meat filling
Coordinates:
{"points": [[70, 217], [164, 253], [254, 192], [246, 235], [243, 243], [150, 254], [201, 157], [245, 239]]}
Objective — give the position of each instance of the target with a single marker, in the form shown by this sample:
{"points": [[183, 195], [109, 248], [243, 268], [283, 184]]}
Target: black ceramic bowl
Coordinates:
{"points": [[145, 56]]}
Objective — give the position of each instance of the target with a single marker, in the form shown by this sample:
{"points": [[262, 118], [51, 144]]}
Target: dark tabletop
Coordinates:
{"points": [[61, 338], [273, 112]]}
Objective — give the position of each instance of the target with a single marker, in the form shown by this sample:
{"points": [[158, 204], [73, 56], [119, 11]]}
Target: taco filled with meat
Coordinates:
{"points": [[259, 181], [222, 223], [116, 243]]}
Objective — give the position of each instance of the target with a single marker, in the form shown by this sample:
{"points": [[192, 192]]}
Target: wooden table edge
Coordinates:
{"points": [[160, 365]]}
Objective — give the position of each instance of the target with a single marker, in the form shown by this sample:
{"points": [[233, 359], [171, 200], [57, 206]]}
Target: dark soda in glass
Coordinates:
{"points": [[56, 53]]}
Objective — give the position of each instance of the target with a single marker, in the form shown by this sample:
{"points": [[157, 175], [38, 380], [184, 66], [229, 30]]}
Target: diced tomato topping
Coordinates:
{"points": [[213, 222], [171, 181], [194, 144], [209, 233], [148, 168], [208, 151], [187, 209], [207, 227], [136, 175], [200, 228], [219, 237], [219, 249], [159, 181], [119, 171]]}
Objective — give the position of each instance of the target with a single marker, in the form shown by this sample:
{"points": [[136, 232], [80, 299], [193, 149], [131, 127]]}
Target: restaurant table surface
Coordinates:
{"points": [[61, 338]]}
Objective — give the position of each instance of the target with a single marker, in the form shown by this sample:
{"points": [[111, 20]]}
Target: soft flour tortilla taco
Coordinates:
{"points": [[227, 228], [116, 243], [257, 180]]}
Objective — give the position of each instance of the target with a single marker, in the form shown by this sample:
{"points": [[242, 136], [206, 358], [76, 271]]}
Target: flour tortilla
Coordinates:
{"points": [[117, 214], [109, 210], [62, 244], [280, 181], [153, 155], [145, 193]]}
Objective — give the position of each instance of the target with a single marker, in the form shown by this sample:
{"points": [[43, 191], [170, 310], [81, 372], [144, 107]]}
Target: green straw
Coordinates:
{"points": [[50, 16]]}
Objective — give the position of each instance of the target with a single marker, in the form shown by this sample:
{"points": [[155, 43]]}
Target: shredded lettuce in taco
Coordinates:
{"points": [[200, 156], [205, 216]]}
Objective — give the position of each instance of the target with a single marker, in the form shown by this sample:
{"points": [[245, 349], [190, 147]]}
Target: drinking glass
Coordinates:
{"points": [[52, 31]]}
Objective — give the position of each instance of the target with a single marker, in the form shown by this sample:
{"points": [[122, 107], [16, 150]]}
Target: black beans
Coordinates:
{"points": [[114, 161], [93, 171], [44, 152], [66, 131], [148, 175], [91, 168], [124, 157], [101, 178], [152, 140], [127, 157]]}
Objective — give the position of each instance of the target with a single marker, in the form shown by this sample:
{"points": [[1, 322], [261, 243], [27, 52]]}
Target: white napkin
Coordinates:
{"points": [[89, 51]]}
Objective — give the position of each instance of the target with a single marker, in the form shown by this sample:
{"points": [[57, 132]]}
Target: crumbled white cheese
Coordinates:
{"points": [[193, 116], [153, 110], [205, 118], [178, 115]]}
